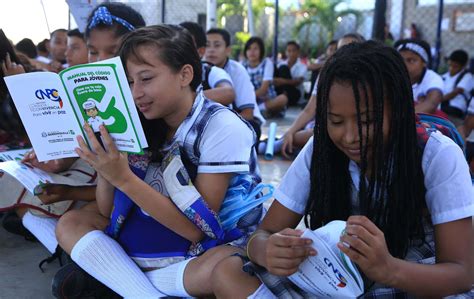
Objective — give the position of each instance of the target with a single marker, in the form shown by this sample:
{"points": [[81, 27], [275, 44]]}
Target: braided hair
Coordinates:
{"points": [[394, 196]]}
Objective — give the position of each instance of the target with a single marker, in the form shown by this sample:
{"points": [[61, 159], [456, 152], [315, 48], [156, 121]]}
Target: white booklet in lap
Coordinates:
{"points": [[33, 179], [54, 107], [14, 155], [329, 274]]}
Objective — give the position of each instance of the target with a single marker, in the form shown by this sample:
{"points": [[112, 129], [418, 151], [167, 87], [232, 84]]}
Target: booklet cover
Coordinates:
{"points": [[329, 274], [54, 107]]}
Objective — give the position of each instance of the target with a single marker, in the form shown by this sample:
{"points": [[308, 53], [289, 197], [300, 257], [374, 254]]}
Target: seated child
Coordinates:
{"points": [[406, 194]]}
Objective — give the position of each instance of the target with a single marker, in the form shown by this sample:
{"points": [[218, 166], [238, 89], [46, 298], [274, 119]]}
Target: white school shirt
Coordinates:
{"points": [[216, 76], [430, 81], [298, 70], [466, 83], [243, 88], [449, 191], [267, 71]]}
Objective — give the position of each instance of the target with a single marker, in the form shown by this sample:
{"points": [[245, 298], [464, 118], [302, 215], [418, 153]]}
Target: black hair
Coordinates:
{"points": [[459, 56], [255, 40], [333, 42], [293, 43], [175, 48], [197, 33], [119, 10], [41, 46], [57, 31], [358, 38], [222, 32], [395, 196], [27, 47], [418, 42], [75, 33]]}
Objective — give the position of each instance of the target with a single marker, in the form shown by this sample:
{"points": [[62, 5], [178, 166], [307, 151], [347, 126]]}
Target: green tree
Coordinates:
{"points": [[323, 14]]}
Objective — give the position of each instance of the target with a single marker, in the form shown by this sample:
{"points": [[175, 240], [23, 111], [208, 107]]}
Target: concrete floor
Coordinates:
{"points": [[19, 259]]}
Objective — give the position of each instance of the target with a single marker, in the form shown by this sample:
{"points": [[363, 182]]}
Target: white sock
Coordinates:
{"points": [[170, 280], [103, 258], [43, 228]]}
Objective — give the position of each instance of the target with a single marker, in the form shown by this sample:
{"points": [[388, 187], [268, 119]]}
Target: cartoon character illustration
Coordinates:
{"points": [[92, 112]]}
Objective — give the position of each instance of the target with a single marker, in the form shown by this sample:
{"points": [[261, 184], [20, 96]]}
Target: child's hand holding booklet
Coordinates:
{"points": [[54, 108], [330, 273]]}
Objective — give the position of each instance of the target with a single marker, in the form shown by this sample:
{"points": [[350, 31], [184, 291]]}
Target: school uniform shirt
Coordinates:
{"points": [[449, 191], [298, 70], [216, 76], [225, 146], [470, 111], [429, 81], [243, 87], [261, 73], [466, 83]]}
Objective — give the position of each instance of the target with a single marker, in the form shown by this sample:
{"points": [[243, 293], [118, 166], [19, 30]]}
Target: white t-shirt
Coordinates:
{"points": [[226, 145], [243, 87], [466, 83], [216, 76], [449, 191], [430, 81], [298, 70], [267, 71]]}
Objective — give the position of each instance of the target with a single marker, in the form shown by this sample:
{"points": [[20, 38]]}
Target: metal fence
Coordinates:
{"points": [[447, 27]]}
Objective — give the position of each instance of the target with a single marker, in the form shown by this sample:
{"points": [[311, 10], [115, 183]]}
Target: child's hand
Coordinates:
{"points": [[111, 164], [364, 243], [53, 166], [285, 251], [53, 193], [10, 68]]}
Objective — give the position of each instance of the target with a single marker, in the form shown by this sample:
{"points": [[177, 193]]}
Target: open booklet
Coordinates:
{"points": [[21, 183], [33, 179], [54, 107], [329, 274]]}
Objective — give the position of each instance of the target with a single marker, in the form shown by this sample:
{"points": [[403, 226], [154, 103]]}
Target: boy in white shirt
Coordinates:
{"points": [[291, 74], [217, 52], [458, 83]]}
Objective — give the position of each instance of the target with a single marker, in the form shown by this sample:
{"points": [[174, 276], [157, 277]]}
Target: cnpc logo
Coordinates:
{"points": [[342, 281], [50, 94]]}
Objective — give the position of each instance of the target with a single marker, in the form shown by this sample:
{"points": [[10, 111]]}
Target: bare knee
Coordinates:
{"points": [[230, 281], [75, 224]]}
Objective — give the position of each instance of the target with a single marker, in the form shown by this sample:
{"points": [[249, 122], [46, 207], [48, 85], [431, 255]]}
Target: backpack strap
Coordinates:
{"points": [[206, 73]]}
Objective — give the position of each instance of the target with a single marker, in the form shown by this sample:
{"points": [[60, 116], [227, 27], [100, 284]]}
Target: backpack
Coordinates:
{"points": [[428, 123], [205, 75]]}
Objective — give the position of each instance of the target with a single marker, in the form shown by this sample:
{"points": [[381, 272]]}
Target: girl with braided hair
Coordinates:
{"points": [[408, 205]]}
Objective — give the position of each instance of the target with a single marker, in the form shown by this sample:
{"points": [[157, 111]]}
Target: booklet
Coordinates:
{"points": [[329, 274], [14, 155], [33, 179], [54, 107], [20, 183]]}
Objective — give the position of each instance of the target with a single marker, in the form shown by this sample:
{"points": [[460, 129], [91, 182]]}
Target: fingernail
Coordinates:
{"points": [[309, 241], [345, 244]]}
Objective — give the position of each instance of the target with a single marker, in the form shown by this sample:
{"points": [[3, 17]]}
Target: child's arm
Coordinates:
{"points": [[303, 118], [104, 196], [113, 167], [53, 166], [54, 193], [430, 102], [262, 91], [223, 93], [452, 273], [276, 245]]}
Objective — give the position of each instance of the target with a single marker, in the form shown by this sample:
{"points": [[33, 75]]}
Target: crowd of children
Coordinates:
{"points": [[186, 219]]}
